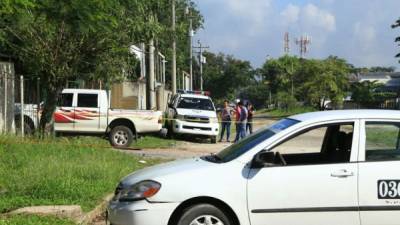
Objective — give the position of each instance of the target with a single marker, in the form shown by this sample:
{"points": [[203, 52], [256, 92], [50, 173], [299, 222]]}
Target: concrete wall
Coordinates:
{"points": [[162, 96], [132, 95], [7, 97], [128, 95]]}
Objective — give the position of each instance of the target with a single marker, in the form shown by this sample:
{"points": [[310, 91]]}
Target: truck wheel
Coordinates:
{"points": [[214, 139], [121, 136], [28, 130]]}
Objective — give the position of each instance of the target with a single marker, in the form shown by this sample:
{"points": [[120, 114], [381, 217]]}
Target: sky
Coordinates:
{"points": [[357, 30]]}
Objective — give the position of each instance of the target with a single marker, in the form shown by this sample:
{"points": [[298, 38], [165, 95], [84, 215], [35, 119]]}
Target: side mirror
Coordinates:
{"points": [[263, 159]]}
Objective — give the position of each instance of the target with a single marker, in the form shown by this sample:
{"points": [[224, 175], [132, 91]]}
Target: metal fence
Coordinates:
{"points": [[20, 102]]}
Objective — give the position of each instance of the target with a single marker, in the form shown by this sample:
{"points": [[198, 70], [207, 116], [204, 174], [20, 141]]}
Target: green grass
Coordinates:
{"points": [[285, 113], [59, 172], [145, 142], [154, 142], [381, 138], [33, 220]]}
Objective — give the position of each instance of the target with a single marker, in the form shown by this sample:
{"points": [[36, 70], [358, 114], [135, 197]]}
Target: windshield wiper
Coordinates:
{"points": [[212, 158]]}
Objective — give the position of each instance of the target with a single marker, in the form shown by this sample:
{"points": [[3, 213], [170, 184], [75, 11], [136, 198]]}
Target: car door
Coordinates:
{"points": [[318, 186], [87, 113], [64, 118], [379, 187]]}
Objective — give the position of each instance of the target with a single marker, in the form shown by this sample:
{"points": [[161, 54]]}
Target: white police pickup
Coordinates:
{"points": [[330, 168], [192, 113]]}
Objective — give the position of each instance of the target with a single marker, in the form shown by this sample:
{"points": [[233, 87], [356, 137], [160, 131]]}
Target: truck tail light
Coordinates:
{"points": [[160, 119]]}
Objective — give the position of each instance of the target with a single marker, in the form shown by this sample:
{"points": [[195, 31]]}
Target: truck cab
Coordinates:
{"points": [[192, 113]]}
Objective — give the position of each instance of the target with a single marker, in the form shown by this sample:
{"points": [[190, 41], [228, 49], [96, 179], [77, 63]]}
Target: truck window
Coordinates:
{"points": [[65, 100], [88, 100]]}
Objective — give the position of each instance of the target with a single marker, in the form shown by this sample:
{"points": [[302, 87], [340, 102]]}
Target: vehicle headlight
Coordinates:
{"points": [[139, 191], [213, 120]]}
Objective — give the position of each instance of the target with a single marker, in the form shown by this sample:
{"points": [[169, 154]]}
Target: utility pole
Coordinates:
{"points": [[188, 13], [201, 47], [173, 49], [191, 53], [151, 84]]}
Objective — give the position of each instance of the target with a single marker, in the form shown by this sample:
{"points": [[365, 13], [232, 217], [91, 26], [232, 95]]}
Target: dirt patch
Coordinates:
{"points": [[194, 148]]}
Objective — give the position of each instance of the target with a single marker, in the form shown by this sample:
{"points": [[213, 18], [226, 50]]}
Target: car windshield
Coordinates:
{"points": [[243, 146], [196, 103]]}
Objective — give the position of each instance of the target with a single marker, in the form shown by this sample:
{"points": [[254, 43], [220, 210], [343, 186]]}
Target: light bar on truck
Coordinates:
{"points": [[206, 93]]}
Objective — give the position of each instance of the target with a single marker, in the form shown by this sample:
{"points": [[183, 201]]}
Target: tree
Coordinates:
{"points": [[395, 25], [59, 41], [364, 93], [281, 73], [225, 76], [324, 80]]}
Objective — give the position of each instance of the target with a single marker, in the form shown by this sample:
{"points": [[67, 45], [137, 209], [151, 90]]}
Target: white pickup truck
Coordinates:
{"points": [[87, 111], [194, 114]]}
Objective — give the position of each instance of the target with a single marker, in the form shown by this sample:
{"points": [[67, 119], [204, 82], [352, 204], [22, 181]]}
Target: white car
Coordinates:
{"points": [[322, 168], [194, 114]]}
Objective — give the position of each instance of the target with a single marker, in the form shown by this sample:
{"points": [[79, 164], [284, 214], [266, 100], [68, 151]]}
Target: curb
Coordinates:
{"points": [[90, 216]]}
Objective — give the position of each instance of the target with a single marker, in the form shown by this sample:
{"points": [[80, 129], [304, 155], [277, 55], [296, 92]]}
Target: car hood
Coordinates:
{"points": [[196, 112], [166, 169]]}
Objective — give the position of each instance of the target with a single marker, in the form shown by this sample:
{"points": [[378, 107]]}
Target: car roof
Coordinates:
{"points": [[194, 96], [348, 114]]}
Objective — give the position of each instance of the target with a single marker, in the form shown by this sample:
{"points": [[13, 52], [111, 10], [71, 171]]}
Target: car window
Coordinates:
{"points": [[382, 141], [196, 103], [319, 145], [243, 146], [309, 142], [65, 100], [87, 100]]}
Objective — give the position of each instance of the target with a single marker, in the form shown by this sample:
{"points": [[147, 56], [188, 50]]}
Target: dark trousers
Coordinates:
{"points": [[240, 131], [249, 127], [226, 126]]}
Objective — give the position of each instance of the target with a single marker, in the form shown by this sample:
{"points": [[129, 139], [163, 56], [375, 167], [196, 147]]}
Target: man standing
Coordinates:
{"points": [[241, 117], [249, 124], [226, 121]]}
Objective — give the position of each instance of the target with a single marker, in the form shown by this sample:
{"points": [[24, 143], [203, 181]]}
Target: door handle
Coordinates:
{"points": [[342, 174]]}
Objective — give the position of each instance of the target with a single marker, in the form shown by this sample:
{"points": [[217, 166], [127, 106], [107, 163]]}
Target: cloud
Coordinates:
{"points": [[308, 17], [364, 34], [313, 16], [291, 14]]}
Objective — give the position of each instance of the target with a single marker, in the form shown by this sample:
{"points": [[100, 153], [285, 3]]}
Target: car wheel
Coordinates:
{"points": [[214, 139], [204, 214], [121, 137]]}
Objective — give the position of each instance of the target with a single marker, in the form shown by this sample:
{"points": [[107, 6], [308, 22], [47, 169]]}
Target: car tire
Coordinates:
{"points": [[204, 214], [121, 137], [214, 139]]}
